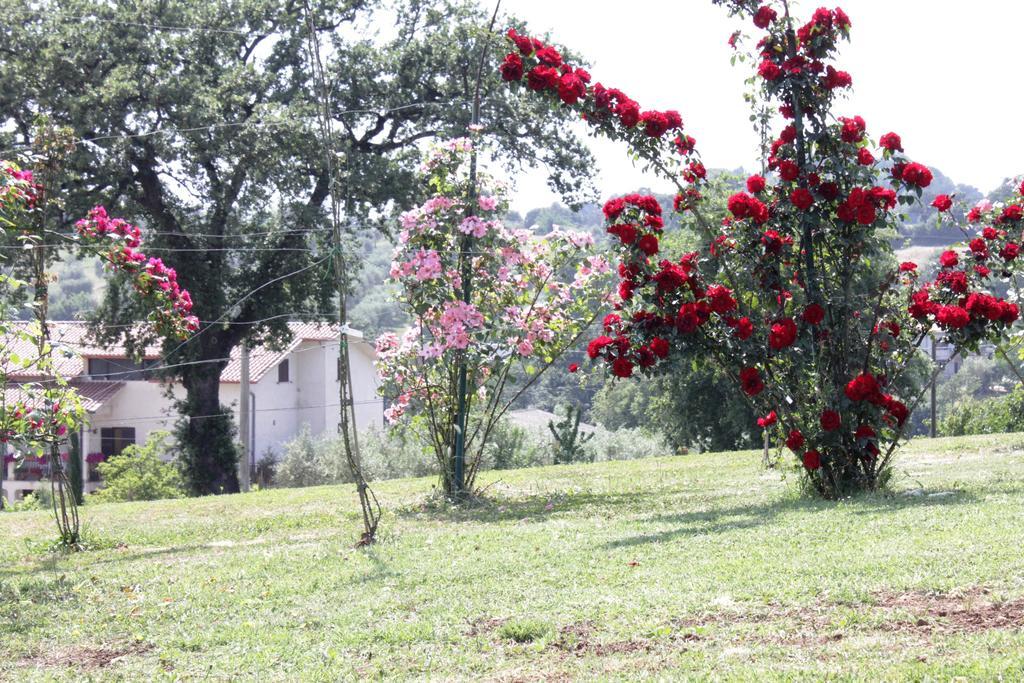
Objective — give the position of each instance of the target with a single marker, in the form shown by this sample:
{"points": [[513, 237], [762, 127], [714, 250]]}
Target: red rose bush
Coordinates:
{"points": [[795, 292]]}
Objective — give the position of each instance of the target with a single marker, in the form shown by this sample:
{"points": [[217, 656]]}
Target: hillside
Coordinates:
{"points": [[670, 568]]}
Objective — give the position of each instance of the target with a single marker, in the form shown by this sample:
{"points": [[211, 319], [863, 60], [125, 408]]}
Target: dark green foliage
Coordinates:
{"points": [[988, 416], [207, 450], [506, 445], [568, 439], [140, 473]]}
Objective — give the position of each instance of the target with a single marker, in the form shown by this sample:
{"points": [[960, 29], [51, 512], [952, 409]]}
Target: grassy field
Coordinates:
{"points": [[676, 568]]}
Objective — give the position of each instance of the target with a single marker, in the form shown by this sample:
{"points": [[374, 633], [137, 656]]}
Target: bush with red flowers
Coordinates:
{"points": [[796, 292]]}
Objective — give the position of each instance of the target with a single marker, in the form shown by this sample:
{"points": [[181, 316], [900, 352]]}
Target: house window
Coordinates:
{"points": [[113, 440], [282, 371], [120, 369]]}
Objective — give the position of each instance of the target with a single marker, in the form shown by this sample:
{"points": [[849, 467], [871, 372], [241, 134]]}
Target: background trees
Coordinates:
{"points": [[197, 120]]}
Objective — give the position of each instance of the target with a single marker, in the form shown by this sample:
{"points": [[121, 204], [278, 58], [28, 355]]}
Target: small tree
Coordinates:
{"points": [[568, 439], [503, 304], [139, 473], [795, 293]]}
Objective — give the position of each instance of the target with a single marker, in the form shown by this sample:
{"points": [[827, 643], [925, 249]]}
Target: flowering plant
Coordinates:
{"points": [[795, 292], [117, 243], [36, 417], [495, 300]]}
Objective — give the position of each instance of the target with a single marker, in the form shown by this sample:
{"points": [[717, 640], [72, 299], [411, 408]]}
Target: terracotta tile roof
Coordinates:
{"points": [[92, 394], [262, 360], [73, 346]]}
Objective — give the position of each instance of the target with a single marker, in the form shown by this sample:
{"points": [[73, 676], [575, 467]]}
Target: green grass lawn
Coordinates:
{"points": [[692, 567]]}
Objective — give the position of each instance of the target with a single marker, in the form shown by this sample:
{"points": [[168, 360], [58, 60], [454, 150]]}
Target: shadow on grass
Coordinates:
{"points": [[720, 520], [533, 508]]}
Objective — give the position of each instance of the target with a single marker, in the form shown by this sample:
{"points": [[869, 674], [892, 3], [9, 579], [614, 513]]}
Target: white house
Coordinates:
{"points": [[295, 386]]}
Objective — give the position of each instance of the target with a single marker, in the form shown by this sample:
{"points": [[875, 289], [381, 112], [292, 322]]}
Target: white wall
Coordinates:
{"points": [[311, 395], [139, 404]]}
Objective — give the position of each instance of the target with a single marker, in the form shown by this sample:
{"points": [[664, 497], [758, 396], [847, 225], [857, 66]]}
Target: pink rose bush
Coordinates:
{"points": [[37, 416], [526, 300], [796, 292]]}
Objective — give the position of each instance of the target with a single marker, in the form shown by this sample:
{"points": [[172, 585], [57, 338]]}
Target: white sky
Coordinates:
{"points": [[945, 75]]}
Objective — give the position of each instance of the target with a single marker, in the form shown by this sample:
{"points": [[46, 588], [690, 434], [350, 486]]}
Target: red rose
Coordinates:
{"points": [[621, 367], [978, 247], [795, 440], [597, 345], [648, 244], [943, 202], [549, 55], [614, 207], [628, 112], [1013, 212], [1010, 313], [626, 232], [739, 205], [864, 157], [542, 78], [829, 191], [852, 129], [659, 347], [512, 67], [897, 409], [755, 184], [750, 381], [720, 299], [524, 43], [801, 199], [571, 88], [573, 367], [768, 420], [830, 420], [891, 142], [1010, 251], [782, 334], [835, 79], [812, 460], [610, 321], [764, 16], [908, 267], [864, 432], [814, 314], [744, 328], [948, 259], [862, 387], [655, 123], [989, 233], [788, 170], [769, 70], [953, 317], [917, 174]]}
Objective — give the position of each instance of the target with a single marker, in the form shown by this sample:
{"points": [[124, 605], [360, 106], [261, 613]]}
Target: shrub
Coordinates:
{"points": [[569, 442], [386, 454], [512, 447], [304, 463], [987, 416], [626, 444], [31, 501], [795, 291], [139, 473]]}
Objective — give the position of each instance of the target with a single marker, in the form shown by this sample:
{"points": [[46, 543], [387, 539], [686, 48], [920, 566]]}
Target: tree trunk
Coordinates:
{"points": [[206, 434]]}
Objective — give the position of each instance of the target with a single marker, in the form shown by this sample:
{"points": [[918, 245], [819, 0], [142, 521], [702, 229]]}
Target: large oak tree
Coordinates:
{"points": [[199, 121]]}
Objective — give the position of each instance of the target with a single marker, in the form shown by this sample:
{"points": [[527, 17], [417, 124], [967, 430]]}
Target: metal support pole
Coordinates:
{"points": [[931, 429], [244, 473]]}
